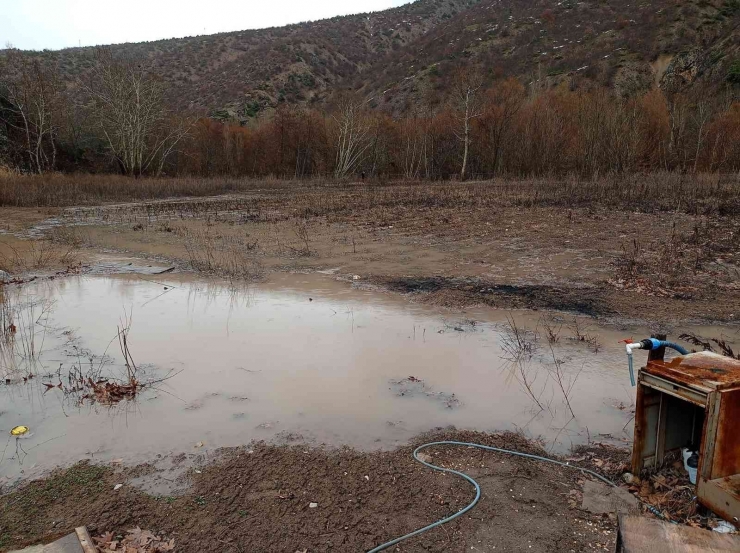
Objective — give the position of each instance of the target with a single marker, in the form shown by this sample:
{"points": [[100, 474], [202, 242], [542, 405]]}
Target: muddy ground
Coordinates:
{"points": [[660, 267], [663, 268], [258, 498]]}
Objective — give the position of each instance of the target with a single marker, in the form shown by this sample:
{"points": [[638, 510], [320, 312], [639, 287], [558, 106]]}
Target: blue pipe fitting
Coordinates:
{"points": [[651, 344]]}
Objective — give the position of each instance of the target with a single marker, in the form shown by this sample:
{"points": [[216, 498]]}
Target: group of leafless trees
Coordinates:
{"points": [[116, 107], [29, 108], [506, 129], [115, 117]]}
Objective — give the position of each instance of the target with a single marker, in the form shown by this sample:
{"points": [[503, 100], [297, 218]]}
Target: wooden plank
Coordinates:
{"points": [[85, 540], [706, 458], [77, 542], [660, 432], [66, 544], [726, 459], [638, 446], [722, 496], [639, 534], [697, 397]]}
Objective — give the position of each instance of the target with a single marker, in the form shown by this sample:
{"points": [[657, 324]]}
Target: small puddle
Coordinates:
{"points": [[303, 358]]}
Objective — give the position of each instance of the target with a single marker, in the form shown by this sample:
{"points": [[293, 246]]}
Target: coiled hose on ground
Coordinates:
{"points": [[477, 486]]}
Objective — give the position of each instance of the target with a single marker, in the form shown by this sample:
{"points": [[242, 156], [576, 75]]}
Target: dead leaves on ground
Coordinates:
{"points": [[670, 492], [605, 459], [110, 393], [649, 287], [135, 541]]}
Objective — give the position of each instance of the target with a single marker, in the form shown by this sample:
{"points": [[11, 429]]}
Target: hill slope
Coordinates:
{"points": [[244, 72], [398, 55], [622, 44]]}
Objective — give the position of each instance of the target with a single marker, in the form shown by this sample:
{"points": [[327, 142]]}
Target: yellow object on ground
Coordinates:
{"points": [[19, 431]]}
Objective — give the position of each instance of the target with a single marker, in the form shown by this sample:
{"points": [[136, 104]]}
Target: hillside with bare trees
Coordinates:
{"points": [[434, 89]]}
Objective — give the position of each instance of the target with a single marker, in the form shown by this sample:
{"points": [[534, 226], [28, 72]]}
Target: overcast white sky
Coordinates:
{"points": [[54, 24]]}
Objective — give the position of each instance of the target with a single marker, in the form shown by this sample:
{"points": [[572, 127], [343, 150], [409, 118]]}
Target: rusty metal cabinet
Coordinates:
{"points": [[693, 400]]}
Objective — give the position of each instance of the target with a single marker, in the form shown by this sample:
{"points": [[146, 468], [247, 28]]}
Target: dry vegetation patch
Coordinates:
{"points": [[563, 244]]}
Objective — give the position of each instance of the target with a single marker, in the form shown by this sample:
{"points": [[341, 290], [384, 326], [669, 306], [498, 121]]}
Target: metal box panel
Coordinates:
{"points": [[693, 399], [726, 461], [722, 496], [704, 371]]}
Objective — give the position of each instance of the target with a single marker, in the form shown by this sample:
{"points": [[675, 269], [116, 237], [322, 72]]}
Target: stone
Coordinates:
{"points": [[600, 499], [630, 479]]}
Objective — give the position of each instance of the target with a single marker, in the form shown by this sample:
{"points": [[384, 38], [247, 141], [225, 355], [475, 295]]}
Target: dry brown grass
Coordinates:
{"points": [[84, 189], [225, 255], [35, 255], [7, 172], [6, 318], [24, 324], [709, 194], [8, 331], [682, 264]]}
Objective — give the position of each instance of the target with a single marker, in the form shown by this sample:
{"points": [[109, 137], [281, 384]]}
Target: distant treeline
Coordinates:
{"points": [[115, 120]]}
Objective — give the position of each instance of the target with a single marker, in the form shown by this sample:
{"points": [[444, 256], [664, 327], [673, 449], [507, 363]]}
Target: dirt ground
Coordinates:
{"points": [[258, 498], [660, 267]]}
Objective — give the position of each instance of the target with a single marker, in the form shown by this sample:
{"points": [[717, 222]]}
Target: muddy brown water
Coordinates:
{"points": [[301, 358]]}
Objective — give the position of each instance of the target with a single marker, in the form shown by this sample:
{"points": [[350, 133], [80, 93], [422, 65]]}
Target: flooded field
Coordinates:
{"points": [[301, 358]]}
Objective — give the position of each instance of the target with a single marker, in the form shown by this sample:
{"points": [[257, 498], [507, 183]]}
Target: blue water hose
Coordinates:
{"points": [[650, 344], [476, 485], [663, 344]]}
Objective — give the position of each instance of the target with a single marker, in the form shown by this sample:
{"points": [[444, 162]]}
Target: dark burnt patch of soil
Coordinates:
{"points": [[598, 300], [259, 498], [581, 300]]}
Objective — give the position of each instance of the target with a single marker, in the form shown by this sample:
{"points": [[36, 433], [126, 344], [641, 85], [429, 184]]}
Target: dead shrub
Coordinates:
{"points": [[225, 255], [35, 255], [720, 344]]}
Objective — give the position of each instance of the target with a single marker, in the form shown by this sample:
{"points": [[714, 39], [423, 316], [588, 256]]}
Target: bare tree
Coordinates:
{"points": [[466, 89], [678, 112], [381, 137], [128, 106], [623, 136], [723, 132], [32, 92], [415, 135], [501, 105], [310, 134], [702, 115], [353, 136]]}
